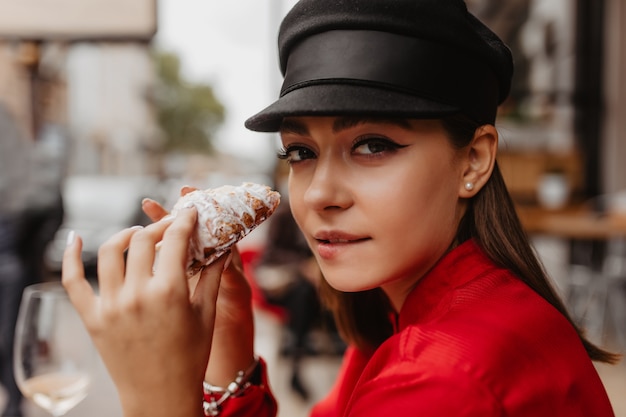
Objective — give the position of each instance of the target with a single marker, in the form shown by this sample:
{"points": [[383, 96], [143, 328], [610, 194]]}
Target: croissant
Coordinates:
{"points": [[225, 215]]}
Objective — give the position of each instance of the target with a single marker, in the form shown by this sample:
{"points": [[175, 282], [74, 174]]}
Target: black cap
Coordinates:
{"points": [[400, 58]]}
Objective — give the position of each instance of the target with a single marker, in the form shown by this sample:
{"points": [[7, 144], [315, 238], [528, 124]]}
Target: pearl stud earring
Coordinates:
{"points": [[469, 186]]}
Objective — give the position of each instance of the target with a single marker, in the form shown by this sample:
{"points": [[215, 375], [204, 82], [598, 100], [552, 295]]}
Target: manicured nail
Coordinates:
{"points": [[70, 238], [145, 200]]}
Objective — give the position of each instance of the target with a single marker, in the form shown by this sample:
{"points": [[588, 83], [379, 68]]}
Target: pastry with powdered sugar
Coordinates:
{"points": [[226, 214]]}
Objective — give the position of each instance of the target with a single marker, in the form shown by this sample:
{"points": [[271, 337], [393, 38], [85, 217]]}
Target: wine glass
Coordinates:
{"points": [[54, 358]]}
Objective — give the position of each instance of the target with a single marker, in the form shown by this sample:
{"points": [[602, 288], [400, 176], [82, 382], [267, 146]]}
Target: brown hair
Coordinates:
{"points": [[364, 318]]}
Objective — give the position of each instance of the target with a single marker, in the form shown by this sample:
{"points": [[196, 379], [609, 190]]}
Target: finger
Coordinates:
{"points": [[142, 251], [111, 263], [236, 257], [186, 189], [153, 210], [173, 253], [205, 294], [73, 275]]}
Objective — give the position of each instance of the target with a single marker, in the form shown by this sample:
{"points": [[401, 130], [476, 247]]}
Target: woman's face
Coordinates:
{"points": [[377, 200]]}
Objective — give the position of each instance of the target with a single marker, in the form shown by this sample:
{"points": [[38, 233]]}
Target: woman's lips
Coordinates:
{"points": [[330, 244]]}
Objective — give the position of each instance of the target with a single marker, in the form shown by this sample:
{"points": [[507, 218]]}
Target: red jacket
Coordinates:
{"points": [[472, 340]]}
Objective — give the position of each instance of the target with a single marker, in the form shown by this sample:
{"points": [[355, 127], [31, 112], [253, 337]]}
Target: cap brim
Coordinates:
{"points": [[342, 99]]}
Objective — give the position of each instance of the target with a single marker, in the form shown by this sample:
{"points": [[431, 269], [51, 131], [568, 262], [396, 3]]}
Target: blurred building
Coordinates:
{"points": [[108, 110], [567, 110], [90, 63], [614, 91], [15, 82]]}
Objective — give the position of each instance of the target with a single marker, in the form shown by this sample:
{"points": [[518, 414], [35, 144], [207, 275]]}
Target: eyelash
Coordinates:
{"points": [[387, 144], [285, 153]]}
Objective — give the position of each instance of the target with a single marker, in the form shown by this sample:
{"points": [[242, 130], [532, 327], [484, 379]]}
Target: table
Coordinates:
{"points": [[572, 222]]}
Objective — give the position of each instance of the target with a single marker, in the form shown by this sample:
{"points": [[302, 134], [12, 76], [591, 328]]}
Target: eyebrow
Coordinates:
{"points": [[342, 123], [293, 126]]}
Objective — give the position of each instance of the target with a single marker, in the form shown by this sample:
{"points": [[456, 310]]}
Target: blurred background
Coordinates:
{"points": [[104, 102]]}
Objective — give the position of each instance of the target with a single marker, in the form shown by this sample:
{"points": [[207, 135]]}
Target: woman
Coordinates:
{"points": [[387, 120]]}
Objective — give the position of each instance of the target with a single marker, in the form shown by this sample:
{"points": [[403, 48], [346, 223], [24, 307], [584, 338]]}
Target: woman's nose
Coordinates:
{"points": [[327, 188]]}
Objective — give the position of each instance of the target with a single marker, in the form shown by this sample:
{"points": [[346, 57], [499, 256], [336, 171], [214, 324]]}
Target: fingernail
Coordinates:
{"points": [[145, 200], [167, 218], [70, 238], [188, 205], [137, 227]]}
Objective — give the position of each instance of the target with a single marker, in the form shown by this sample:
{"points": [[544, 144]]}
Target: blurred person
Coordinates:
{"points": [[14, 154], [287, 276], [32, 181], [44, 211], [387, 119]]}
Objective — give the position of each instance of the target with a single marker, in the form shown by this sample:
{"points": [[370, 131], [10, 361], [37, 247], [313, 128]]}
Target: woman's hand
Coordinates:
{"points": [[154, 336], [233, 339]]}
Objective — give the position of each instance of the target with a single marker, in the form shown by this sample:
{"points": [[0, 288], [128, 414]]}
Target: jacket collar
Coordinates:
{"points": [[435, 290]]}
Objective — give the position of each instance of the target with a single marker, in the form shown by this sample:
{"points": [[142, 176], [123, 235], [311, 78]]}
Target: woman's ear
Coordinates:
{"points": [[479, 160]]}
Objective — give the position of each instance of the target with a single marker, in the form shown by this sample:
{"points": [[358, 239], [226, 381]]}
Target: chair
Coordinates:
{"points": [[597, 292]]}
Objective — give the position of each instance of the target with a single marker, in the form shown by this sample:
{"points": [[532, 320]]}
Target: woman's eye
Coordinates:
{"points": [[295, 153], [371, 146]]}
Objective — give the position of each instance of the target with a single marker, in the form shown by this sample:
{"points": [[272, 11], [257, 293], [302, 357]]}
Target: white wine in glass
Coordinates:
{"points": [[54, 357]]}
